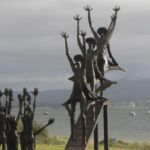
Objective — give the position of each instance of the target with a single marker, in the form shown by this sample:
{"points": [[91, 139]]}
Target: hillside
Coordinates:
{"points": [[122, 93]]}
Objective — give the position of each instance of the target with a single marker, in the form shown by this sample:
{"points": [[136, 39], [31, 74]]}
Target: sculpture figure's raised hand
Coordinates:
{"points": [[6, 92], [25, 92], [116, 8], [64, 35], [77, 17], [88, 8], [1, 93], [20, 98], [82, 33], [35, 92]]}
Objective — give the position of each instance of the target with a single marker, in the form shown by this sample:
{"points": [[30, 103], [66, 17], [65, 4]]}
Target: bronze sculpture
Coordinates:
{"points": [[96, 64], [28, 135], [79, 83], [11, 125], [80, 92], [102, 37], [92, 71], [2, 128], [8, 123]]}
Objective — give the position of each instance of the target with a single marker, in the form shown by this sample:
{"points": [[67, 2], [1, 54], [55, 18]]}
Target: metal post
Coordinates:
{"points": [[96, 138], [106, 142]]}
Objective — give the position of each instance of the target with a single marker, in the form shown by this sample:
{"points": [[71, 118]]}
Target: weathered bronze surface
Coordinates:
{"points": [[89, 67], [8, 123]]}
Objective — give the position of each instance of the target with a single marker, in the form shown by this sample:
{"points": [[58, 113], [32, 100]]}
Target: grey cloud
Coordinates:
{"points": [[31, 45]]}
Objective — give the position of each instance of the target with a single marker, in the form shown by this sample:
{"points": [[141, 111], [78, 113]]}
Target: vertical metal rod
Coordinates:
{"points": [[106, 142], [105, 119], [96, 138], [96, 133]]}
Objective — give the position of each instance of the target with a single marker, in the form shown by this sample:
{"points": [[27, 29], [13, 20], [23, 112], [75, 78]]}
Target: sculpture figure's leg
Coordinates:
{"points": [[72, 118], [93, 113], [4, 144], [92, 85], [83, 110]]}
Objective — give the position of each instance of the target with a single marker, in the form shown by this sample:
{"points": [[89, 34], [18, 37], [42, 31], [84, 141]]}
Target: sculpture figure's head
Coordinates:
{"points": [[102, 31], [78, 59], [91, 42]]}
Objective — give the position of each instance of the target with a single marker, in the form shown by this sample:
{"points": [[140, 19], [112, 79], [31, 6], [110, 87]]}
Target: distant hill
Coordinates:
{"points": [[122, 93], [130, 90], [53, 97], [48, 98]]}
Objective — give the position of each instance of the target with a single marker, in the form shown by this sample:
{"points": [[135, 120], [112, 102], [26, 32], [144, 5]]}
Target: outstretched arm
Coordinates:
{"points": [[89, 9], [110, 55], [25, 93], [65, 36], [1, 94], [41, 129], [116, 9], [7, 100], [112, 24], [20, 98], [35, 93], [10, 101], [78, 18], [83, 34]]}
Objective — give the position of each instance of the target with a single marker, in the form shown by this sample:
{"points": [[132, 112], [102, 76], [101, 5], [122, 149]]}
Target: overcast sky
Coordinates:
{"points": [[32, 52]]}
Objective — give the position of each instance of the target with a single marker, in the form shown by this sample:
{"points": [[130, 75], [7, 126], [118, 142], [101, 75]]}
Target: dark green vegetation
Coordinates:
{"points": [[43, 137]]}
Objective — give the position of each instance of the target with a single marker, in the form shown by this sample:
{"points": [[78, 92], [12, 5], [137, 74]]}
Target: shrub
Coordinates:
{"points": [[42, 137]]}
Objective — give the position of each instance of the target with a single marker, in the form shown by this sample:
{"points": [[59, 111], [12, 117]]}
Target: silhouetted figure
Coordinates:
{"points": [[2, 129], [5, 111], [27, 136], [11, 133], [12, 123], [1, 94]]}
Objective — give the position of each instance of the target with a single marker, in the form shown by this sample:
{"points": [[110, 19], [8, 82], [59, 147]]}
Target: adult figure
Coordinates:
{"points": [[92, 71], [112, 63], [102, 39], [79, 86]]}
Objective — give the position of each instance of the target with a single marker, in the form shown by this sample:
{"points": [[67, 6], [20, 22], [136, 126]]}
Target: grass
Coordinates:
{"points": [[62, 147], [57, 143], [132, 146], [114, 145]]}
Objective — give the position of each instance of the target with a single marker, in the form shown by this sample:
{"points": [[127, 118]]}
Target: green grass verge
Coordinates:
{"points": [[59, 144], [62, 147]]}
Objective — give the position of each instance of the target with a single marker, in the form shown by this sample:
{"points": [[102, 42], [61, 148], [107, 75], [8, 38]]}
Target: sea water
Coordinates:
{"points": [[121, 124]]}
